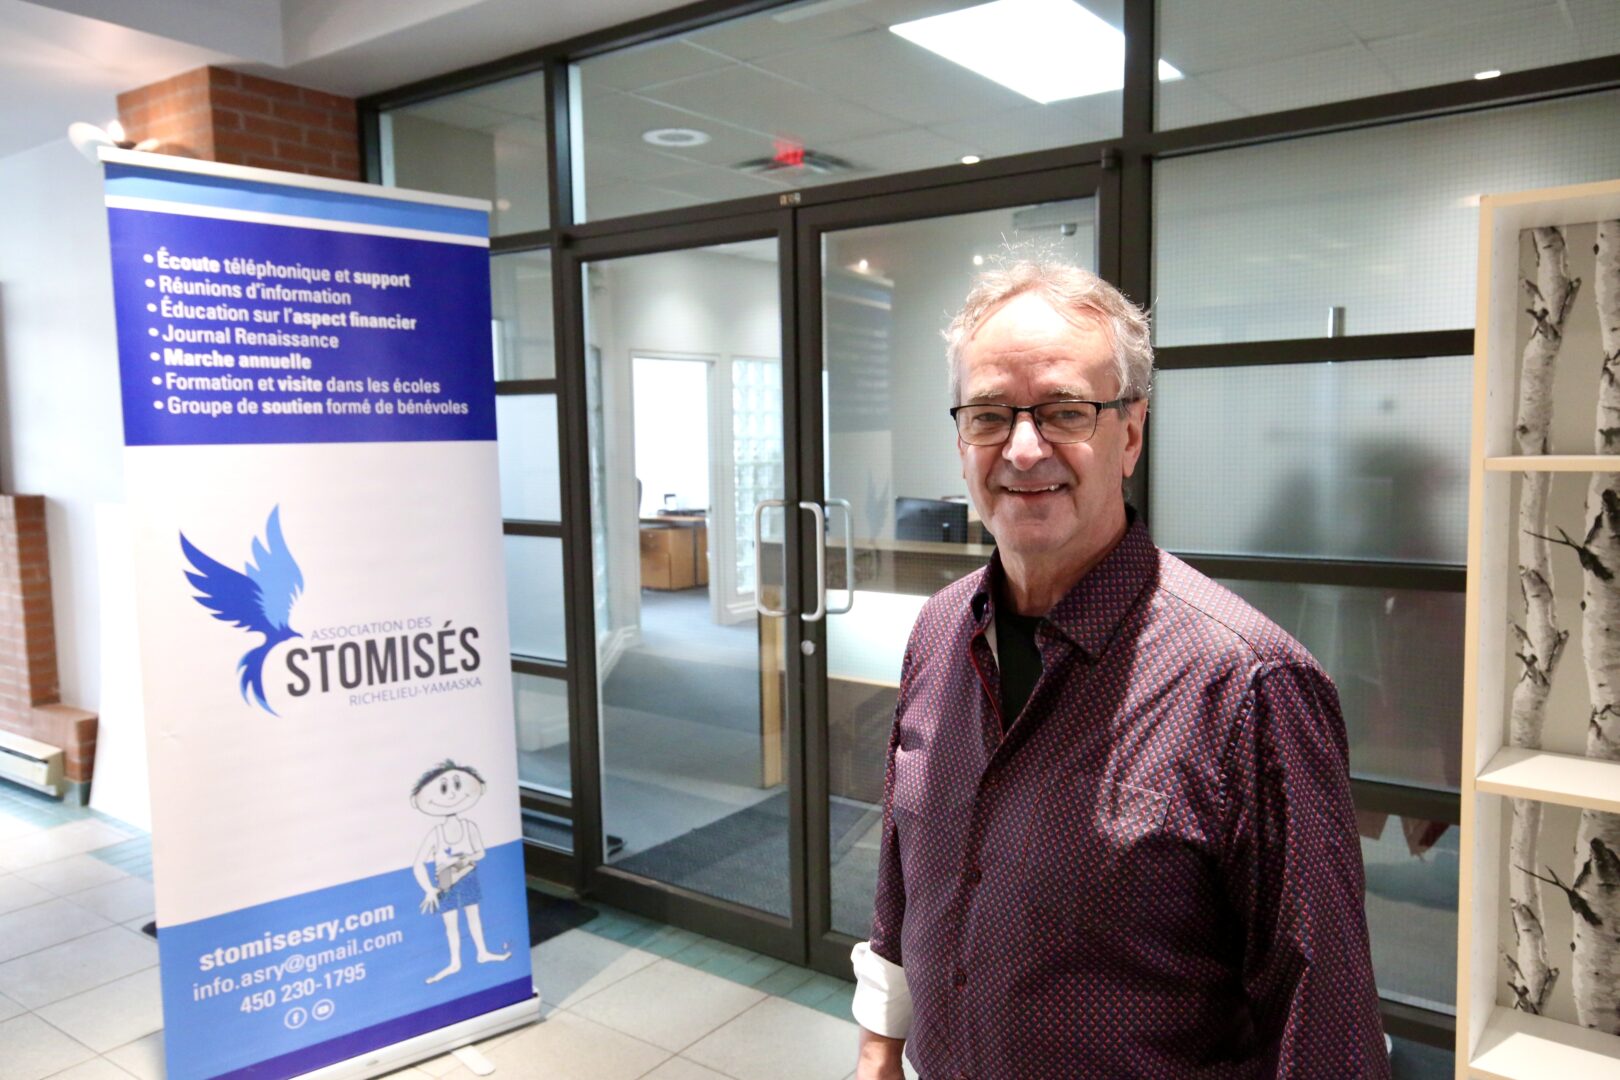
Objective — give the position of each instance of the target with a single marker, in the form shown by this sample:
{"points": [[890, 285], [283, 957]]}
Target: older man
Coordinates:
{"points": [[1118, 839]]}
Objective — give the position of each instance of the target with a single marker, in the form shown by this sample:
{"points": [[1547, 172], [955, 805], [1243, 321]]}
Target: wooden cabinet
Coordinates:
{"points": [[674, 553]]}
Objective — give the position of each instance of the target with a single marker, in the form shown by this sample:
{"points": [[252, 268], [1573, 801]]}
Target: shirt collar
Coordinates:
{"points": [[1091, 612]]}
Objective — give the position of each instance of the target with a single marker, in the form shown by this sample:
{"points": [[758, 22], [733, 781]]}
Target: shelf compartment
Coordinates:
{"points": [[1565, 779], [1519, 1046], [1554, 463]]}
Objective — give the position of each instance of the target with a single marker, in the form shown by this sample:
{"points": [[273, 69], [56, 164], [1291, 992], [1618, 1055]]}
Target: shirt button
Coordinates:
{"points": [[960, 978], [973, 875]]}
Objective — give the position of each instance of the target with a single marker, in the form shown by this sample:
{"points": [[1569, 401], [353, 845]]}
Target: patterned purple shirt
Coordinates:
{"points": [[1156, 873]]}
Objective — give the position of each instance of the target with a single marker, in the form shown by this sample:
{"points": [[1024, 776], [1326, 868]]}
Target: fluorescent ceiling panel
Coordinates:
{"points": [[1047, 50]]}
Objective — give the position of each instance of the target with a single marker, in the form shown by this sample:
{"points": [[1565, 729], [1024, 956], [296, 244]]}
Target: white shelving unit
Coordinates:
{"points": [[1494, 1041]]}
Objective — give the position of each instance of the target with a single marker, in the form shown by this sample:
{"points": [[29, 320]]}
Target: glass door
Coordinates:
{"points": [[685, 359], [900, 523], [774, 492]]}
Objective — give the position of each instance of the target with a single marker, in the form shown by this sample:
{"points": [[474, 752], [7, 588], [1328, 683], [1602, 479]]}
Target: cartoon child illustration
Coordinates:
{"points": [[454, 847]]}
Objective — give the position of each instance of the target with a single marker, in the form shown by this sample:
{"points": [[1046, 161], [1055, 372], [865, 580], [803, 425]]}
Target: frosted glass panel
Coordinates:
{"points": [[520, 298], [1411, 870], [1247, 57], [1396, 656], [1364, 460], [526, 439], [534, 596], [489, 143], [540, 706], [1259, 243]]}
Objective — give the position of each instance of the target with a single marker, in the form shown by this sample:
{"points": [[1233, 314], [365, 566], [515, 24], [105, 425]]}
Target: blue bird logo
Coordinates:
{"points": [[258, 600]]}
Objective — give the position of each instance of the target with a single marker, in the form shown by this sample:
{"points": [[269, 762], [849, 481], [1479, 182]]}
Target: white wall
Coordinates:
{"points": [[672, 432], [63, 430]]}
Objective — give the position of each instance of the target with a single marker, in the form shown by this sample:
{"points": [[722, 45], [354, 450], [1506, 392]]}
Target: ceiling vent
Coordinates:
{"points": [[795, 163]]}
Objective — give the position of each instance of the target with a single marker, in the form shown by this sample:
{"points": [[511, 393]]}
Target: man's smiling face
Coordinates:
{"points": [[449, 793], [1057, 505]]}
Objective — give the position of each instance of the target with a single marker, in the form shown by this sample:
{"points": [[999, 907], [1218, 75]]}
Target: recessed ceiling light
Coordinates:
{"points": [[978, 260], [863, 266], [675, 137], [1491, 74], [970, 159], [1047, 50]]}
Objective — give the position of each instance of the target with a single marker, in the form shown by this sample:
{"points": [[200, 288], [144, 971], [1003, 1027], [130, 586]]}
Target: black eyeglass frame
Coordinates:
{"points": [[1120, 403]]}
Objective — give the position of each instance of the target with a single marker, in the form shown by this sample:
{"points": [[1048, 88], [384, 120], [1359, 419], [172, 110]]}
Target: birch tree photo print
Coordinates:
{"points": [[1564, 865]]}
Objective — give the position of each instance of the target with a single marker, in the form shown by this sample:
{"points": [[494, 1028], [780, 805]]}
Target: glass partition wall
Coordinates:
{"points": [[1293, 188]]}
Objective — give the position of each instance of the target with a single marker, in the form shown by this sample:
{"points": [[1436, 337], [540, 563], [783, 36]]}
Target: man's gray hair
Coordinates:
{"points": [[1075, 293]]}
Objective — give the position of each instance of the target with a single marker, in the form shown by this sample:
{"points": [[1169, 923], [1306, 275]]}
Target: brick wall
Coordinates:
{"points": [[29, 690], [220, 115]]}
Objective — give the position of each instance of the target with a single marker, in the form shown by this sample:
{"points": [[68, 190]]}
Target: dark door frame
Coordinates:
{"points": [[674, 904]]}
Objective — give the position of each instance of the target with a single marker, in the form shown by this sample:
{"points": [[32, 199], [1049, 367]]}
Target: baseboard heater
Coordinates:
{"points": [[31, 763]]}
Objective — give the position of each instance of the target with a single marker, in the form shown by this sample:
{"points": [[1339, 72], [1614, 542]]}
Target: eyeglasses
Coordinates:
{"points": [[1071, 421]]}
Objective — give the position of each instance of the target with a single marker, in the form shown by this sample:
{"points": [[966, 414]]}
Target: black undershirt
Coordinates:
{"points": [[1019, 659]]}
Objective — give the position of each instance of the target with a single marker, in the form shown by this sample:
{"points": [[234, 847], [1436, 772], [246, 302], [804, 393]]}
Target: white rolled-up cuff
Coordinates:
{"points": [[882, 998]]}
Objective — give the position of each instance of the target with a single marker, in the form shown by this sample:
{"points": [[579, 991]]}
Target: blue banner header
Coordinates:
{"points": [[235, 331]]}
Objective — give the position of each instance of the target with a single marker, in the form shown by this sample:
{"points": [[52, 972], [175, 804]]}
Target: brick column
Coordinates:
{"points": [[29, 690], [220, 115]]}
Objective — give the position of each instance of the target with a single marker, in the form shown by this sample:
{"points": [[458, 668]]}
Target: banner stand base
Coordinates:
{"points": [[387, 1059]]}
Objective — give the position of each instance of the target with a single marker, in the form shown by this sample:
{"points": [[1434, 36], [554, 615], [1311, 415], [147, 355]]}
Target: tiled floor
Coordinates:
{"points": [[623, 997]]}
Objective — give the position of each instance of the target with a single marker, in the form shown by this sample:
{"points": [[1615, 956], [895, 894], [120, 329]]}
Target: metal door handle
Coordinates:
{"points": [[849, 556], [821, 561], [759, 558]]}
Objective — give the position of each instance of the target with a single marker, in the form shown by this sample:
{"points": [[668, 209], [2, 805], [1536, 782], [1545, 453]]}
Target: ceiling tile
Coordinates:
{"points": [[1346, 72], [1516, 41], [712, 185], [1192, 100], [621, 199], [1373, 20], [608, 161], [783, 30], [896, 77], [774, 107], [1039, 127], [621, 120], [1199, 37], [646, 65]]}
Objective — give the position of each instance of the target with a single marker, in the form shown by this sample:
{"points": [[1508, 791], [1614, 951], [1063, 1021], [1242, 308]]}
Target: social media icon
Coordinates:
{"points": [[296, 1017], [322, 1009]]}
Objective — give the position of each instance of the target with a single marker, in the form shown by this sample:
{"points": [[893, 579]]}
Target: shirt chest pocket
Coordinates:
{"points": [[1086, 848]]}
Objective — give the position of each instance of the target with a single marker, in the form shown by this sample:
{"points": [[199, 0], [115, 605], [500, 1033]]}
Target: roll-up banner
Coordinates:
{"points": [[309, 421]]}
